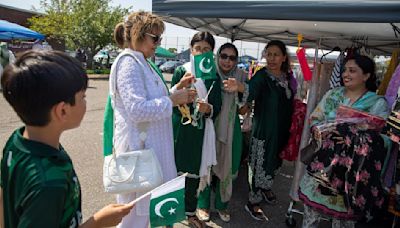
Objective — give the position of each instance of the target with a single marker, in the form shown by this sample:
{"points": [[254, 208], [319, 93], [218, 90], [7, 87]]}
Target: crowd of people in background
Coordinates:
{"points": [[194, 127]]}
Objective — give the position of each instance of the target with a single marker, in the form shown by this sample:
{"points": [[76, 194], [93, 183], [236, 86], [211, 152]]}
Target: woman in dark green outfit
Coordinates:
{"points": [[229, 135], [270, 89], [193, 152]]}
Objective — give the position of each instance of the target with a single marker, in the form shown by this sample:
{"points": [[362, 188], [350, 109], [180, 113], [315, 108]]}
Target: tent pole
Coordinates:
{"points": [[311, 103]]}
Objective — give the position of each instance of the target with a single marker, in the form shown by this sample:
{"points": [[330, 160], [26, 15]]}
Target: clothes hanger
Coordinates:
{"points": [[336, 48]]}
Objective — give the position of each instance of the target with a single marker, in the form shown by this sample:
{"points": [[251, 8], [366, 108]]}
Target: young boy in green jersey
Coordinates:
{"points": [[39, 187]]}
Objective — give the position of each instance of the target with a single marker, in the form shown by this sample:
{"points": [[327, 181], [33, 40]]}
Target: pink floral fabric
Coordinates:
{"points": [[350, 163]]}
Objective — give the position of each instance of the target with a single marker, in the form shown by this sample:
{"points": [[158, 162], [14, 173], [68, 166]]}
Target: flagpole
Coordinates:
{"points": [[133, 202]]}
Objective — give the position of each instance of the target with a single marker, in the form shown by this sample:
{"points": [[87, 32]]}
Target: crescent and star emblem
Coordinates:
{"points": [[161, 203], [201, 66]]}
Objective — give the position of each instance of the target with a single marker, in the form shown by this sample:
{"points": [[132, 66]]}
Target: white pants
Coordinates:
{"points": [[138, 217]]}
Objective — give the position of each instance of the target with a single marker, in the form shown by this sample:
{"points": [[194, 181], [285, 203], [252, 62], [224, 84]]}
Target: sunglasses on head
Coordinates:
{"points": [[230, 57], [156, 39]]}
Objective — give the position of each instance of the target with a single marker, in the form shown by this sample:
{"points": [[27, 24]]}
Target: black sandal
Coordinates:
{"points": [[255, 211], [269, 197]]}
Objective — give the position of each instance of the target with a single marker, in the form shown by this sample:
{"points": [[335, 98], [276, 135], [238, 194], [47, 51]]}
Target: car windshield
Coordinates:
{"points": [[171, 63]]}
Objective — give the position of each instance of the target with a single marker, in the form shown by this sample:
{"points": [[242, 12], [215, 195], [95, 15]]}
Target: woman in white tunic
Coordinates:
{"points": [[143, 97]]}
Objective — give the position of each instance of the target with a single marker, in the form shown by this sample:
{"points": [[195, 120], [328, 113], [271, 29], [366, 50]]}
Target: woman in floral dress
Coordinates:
{"points": [[351, 158]]}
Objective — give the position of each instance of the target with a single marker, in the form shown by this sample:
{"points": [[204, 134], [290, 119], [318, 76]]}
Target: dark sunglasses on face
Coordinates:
{"points": [[230, 57], [156, 39]]}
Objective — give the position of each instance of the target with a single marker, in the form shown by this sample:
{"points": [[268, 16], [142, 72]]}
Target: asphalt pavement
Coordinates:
{"points": [[84, 145]]}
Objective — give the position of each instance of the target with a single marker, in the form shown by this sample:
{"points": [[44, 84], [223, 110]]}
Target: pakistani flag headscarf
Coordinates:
{"points": [[225, 125]]}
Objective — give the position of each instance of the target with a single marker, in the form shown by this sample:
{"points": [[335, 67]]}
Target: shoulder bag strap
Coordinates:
{"points": [[142, 125]]}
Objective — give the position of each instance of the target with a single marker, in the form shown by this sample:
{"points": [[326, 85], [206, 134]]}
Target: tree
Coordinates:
{"points": [[84, 24], [172, 50]]}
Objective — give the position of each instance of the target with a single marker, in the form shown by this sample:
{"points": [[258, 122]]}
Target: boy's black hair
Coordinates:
{"points": [[38, 80]]}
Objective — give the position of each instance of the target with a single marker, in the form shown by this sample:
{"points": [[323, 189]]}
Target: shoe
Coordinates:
{"points": [[195, 222], [224, 215], [255, 212], [203, 214], [269, 196]]}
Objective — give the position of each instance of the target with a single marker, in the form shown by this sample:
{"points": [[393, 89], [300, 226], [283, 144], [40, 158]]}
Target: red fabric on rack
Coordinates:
{"points": [[291, 151], [301, 56]]}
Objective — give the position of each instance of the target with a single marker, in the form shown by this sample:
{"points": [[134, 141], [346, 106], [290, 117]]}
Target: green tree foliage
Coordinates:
{"points": [[85, 24], [172, 50]]}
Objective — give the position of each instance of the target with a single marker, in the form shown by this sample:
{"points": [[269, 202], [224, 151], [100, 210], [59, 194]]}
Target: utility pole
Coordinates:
{"points": [[241, 50]]}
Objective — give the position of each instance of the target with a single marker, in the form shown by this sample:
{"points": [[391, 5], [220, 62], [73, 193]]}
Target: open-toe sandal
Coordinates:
{"points": [[195, 222]]}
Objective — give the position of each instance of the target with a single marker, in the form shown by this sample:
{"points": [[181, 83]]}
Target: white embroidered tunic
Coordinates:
{"points": [[144, 98]]}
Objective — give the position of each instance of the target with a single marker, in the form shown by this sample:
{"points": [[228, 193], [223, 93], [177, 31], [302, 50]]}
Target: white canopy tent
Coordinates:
{"points": [[374, 24], [323, 23]]}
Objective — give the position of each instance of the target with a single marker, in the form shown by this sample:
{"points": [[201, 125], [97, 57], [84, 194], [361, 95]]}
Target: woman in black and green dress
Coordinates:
{"points": [[273, 96], [192, 151]]}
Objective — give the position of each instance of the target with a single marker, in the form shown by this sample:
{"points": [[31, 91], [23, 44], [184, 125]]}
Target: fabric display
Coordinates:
{"points": [[363, 120], [291, 150], [392, 89], [392, 127], [392, 180], [349, 163], [336, 77], [394, 61]]}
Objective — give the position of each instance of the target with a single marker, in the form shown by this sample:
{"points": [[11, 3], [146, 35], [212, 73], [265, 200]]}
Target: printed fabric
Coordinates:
{"points": [[349, 163]]}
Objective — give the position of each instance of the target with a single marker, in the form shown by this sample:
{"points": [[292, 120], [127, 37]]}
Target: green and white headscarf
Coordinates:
{"points": [[224, 129]]}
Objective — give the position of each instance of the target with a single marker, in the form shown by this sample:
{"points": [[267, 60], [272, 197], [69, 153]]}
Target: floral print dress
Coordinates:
{"points": [[343, 179]]}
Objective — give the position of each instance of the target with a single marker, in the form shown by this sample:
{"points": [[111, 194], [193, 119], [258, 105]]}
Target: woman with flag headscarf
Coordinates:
{"points": [[229, 135], [194, 134]]}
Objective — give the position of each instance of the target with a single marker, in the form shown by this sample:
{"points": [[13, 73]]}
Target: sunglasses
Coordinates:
{"points": [[156, 39], [230, 57]]}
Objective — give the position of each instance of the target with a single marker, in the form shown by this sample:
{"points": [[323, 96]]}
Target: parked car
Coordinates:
{"points": [[104, 56], [159, 61], [170, 66], [243, 66]]}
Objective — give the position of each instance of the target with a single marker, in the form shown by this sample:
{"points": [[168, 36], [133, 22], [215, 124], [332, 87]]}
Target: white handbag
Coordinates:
{"points": [[131, 171]]}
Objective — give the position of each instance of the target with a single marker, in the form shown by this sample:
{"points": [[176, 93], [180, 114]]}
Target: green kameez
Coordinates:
{"points": [[205, 196], [271, 123], [188, 140]]}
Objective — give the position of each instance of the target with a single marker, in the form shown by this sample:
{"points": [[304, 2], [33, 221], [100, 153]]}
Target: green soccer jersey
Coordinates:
{"points": [[40, 186]]}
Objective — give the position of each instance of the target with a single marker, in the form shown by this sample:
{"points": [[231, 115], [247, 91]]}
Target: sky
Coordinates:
{"points": [[173, 37]]}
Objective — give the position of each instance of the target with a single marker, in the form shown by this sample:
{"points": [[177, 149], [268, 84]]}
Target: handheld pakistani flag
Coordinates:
{"points": [[204, 66], [167, 204]]}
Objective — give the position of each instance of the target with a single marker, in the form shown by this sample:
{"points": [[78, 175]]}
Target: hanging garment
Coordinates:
{"points": [[301, 56], [391, 92], [291, 150], [336, 77], [394, 61]]}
